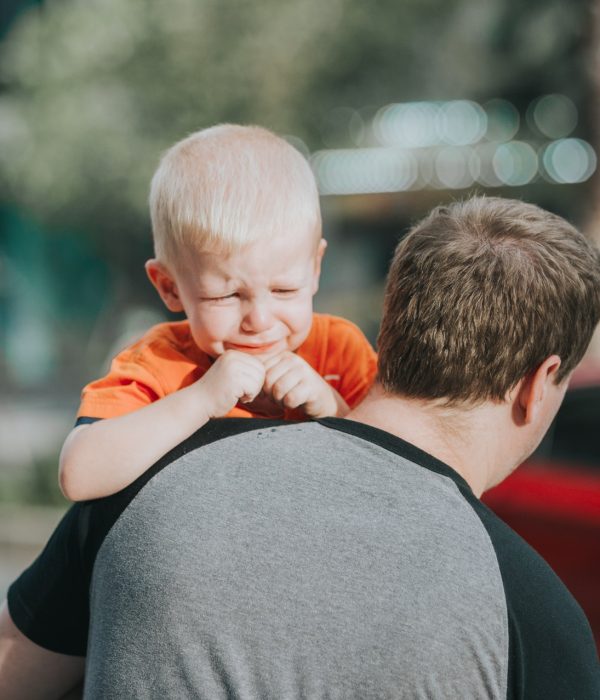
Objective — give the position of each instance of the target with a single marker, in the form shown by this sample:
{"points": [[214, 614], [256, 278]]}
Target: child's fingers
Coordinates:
{"points": [[273, 360], [287, 362], [251, 382], [245, 360], [251, 390], [285, 383], [239, 375], [298, 396], [285, 358]]}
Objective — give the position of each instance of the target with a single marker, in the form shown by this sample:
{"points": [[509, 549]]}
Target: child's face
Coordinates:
{"points": [[256, 300]]}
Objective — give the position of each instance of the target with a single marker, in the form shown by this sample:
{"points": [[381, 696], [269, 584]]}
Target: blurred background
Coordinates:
{"points": [[399, 105]]}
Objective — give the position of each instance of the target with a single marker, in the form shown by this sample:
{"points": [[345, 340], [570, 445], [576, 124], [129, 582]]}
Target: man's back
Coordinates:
{"points": [[358, 567]]}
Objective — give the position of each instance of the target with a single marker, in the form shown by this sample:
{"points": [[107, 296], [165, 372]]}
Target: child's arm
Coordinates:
{"points": [[101, 458], [293, 383]]}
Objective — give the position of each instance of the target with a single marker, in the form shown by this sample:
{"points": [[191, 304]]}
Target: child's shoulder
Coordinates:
{"points": [[170, 337], [342, 355], [171, 332], [337, 339], [336, 326]]}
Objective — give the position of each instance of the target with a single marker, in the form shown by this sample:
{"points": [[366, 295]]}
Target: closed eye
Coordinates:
{"points": [[225, 297], [284, 291]]}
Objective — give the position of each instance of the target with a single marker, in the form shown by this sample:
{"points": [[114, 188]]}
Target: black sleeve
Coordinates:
{"points": [[86, 420], [49, 601], [552, 653]]}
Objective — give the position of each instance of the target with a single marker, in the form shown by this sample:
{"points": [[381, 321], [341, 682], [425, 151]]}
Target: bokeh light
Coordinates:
{"points": [[453, 168], [462, 122], [483, 165], [452, 145], [515, 163], [569, 160], [412, 125], [502, 120], [364, 170], [554, 116]]}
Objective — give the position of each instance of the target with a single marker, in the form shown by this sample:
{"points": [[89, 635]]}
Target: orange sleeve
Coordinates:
{"points": [[348, 362], [141, 374], [127, 387]]}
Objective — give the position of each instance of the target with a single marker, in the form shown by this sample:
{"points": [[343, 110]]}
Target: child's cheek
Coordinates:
{"points": [[299, 318], [209, 325]]}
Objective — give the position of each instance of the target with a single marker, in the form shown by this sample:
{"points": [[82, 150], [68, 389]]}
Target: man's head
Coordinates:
{"points": [[481, 293], [237, 236]]}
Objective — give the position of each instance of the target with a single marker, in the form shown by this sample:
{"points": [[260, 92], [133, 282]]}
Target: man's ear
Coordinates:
{"points": [[318, 257], [532, 390], [164, 283]]}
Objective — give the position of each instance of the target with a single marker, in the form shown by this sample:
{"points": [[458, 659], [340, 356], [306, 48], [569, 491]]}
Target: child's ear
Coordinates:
{"points": [[164, 283], [318, 257]]}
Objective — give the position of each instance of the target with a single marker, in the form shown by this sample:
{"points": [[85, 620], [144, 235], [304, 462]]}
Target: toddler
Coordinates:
{"points": [[238, 248]]}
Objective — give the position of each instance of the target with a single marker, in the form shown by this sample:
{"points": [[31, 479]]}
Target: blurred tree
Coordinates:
{"points": [[10, 9], [94, 91]]}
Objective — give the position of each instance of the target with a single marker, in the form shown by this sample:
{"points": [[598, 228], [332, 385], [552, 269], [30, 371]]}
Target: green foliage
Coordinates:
{"points": [[99, 89], [36, 485], [96, 89]]}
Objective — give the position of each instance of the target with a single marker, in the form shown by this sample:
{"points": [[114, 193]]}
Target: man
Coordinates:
{"points": [[351, 558]]}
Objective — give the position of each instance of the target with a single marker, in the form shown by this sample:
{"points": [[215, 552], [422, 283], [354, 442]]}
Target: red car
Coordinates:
{"points": [[553, 500]]}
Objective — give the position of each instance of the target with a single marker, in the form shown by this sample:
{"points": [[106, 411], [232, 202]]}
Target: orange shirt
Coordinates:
{"points": [[166, 359]]}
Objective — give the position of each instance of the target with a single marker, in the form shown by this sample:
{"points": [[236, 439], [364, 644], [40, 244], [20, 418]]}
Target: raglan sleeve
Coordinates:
{"points": [[49, 601], [351, 361], [551, 649]]}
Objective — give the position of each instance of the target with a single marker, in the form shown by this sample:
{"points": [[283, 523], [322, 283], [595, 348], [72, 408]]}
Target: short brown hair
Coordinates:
{"points": [[479, 294]]}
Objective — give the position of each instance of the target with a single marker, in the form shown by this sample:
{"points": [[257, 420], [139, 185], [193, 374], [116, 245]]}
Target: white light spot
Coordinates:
{"points": [[515, 163], [452, 167], [462, 122], [569, 160], [364, 170], [410, 125]]}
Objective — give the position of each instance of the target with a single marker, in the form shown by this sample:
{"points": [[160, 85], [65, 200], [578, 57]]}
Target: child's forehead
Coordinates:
{"points": [[302, 241], [283, 257]]}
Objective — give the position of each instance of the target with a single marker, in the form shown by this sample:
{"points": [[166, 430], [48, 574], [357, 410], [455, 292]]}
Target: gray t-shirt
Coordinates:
{"points": [[306, 560]]}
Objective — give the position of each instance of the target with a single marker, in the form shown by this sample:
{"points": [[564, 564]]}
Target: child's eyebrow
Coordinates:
{"points": [[290, 278], [215, 290], [209, 293]]}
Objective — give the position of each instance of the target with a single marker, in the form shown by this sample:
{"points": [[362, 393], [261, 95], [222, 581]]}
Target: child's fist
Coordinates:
{"points": [[235, 376], [293, 383]]}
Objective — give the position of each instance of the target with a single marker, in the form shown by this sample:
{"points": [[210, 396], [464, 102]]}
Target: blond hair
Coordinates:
{"points": [[229, 185], [479, 294]]}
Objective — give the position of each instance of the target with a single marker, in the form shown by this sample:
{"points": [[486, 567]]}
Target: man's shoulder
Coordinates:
{"points": [[547, 627], [311, 528], [518, 561], [527, 576]]}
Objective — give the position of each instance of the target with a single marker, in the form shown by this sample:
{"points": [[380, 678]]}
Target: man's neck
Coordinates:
{"points": [[471, 441]]}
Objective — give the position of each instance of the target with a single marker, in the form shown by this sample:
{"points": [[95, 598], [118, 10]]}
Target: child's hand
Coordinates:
{"points": [[235, 376], [293, 383]]}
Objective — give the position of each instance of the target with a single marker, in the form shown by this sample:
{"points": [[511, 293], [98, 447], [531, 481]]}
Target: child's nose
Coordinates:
{"points": [[257, 317]]}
